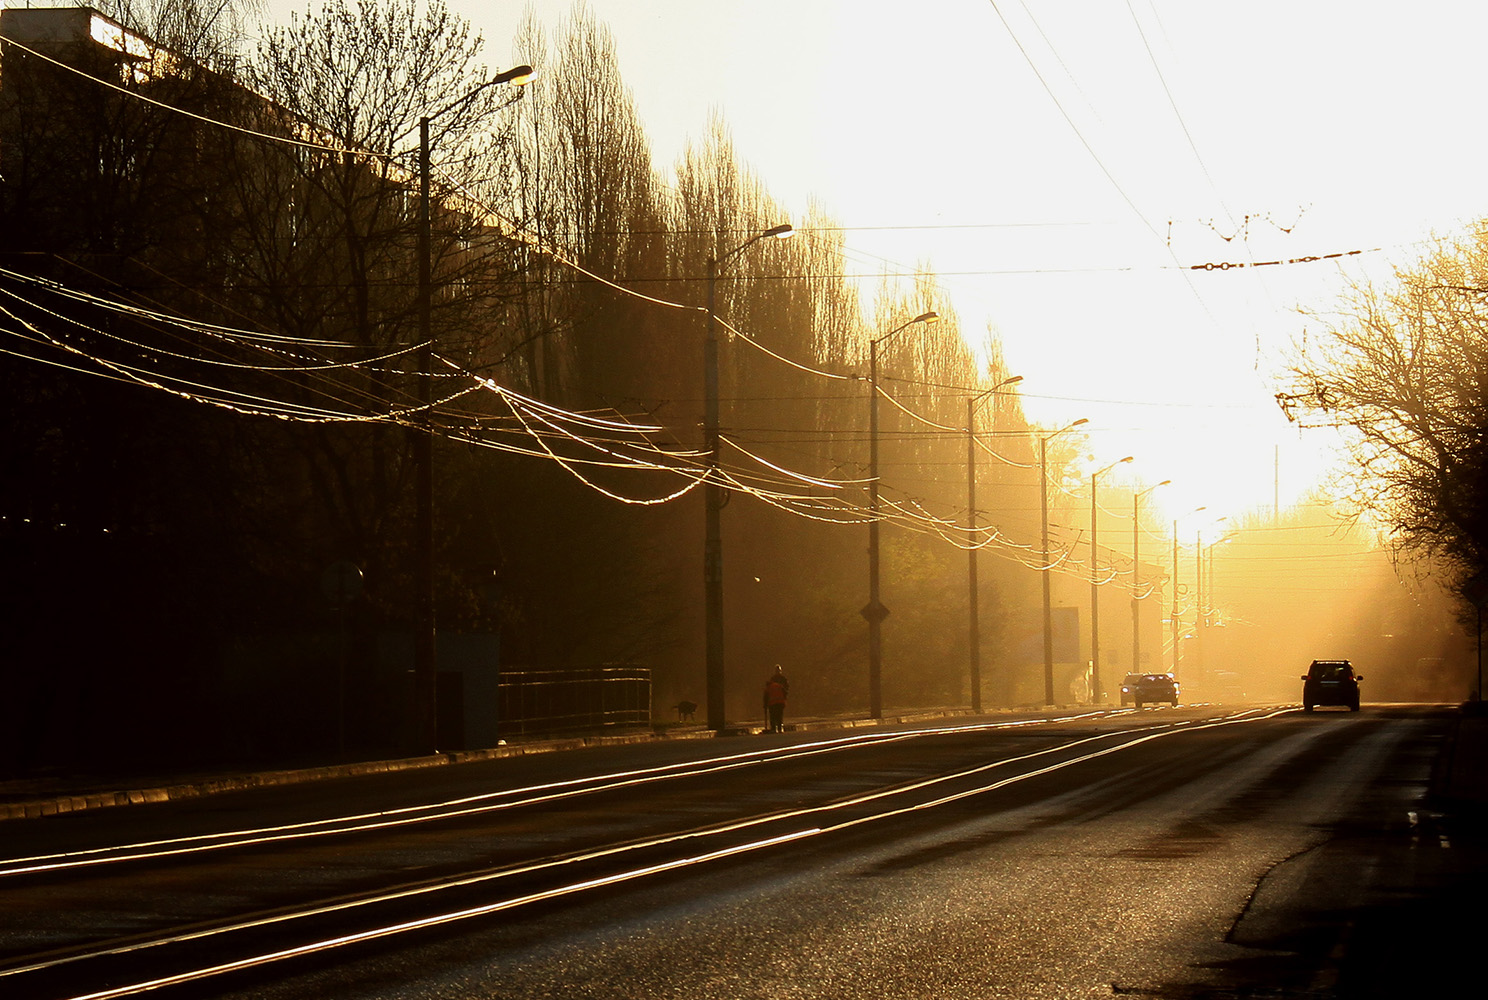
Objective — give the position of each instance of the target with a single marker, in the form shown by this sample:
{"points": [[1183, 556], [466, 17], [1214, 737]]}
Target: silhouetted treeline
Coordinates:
{"points": [[169, 544]]}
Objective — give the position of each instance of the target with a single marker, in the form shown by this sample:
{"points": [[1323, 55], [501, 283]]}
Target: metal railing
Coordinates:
{"points": [[555, 701]]}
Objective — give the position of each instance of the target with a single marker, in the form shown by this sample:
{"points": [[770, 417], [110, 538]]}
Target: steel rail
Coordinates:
{"points": [[820, 816], [474, 805]]}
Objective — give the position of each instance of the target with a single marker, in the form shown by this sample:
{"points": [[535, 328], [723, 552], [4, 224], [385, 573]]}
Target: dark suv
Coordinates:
{"points": [[1144, 689], [1330, 682]]}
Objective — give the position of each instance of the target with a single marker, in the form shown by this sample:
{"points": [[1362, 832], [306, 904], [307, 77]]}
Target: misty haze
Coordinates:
{"points": [[471, 531]]}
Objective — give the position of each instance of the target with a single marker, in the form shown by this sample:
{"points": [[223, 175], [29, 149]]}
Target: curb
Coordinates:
{"points": [[1459, 777], [63, 804]]}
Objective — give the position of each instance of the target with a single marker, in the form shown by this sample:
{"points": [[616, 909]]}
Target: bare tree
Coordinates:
{"points": [[578, 176], [1404, 373], [327, 236], [597, 199], [211, 32]]}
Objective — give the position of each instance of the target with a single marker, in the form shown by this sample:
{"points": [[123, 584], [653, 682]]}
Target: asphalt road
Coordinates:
{"points": [[1168, 853]]}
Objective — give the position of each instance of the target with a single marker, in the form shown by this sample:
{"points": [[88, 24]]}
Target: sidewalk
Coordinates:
{"points": [[1459, 780], [30, 798]]}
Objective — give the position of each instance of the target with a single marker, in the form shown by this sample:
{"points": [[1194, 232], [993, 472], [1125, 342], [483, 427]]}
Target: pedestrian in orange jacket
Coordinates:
{"points": [[777, 688]]}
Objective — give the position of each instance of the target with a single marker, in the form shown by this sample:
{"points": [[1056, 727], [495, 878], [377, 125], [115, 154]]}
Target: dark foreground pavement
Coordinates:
{"points": [[52, 794], [1421, 933], [1459, 784], [1416, 933]]}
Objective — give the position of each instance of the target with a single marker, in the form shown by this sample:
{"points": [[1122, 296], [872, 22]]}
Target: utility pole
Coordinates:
{"points": [[425, 651], [1173, 613], [1097, 692], [1177, 633], [1136, 603], [1045, 566], [714, 498], [974, 602], [712, 524], [874, 611], [974, 634]]}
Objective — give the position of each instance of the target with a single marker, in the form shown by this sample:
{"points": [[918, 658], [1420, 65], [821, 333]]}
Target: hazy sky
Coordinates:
{"points": [[1061, 163]]}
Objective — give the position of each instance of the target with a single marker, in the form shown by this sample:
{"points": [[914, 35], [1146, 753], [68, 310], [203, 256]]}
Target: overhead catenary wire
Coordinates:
{"points": [[282, 139], [534, 425], [910, 513]]}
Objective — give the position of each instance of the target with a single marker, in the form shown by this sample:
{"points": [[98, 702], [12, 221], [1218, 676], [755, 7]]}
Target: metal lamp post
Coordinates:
{"points": [[975, 635], [1173, 618], [425, 652], [1136, 603], [713, 496], [875, 612], [1046, 568], [1201, 614], [1097, 692]]}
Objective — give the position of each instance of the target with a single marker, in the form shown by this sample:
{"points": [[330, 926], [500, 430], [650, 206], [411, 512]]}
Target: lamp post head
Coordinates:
{"points": [[1067, 427], [1103, 471], [1200, 530], [1138, 496], [519, 75], [780, 232], [927, 317], [985, 394]]}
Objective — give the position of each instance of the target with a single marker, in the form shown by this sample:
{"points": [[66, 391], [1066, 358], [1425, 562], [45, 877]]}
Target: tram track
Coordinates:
{"points": [[174, 955], [471, 805]]}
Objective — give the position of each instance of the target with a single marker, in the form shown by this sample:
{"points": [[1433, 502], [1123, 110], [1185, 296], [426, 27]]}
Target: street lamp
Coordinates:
{"points": [[425, 652], [875, 612], [1200, 614], [1097, 692], [975, 640], [1173, 617], [1044, 515], [713, 498], [1136, 576]]}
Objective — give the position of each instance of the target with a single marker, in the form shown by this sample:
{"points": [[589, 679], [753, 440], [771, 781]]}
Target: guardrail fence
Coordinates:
{"points": [[531, 702]]}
